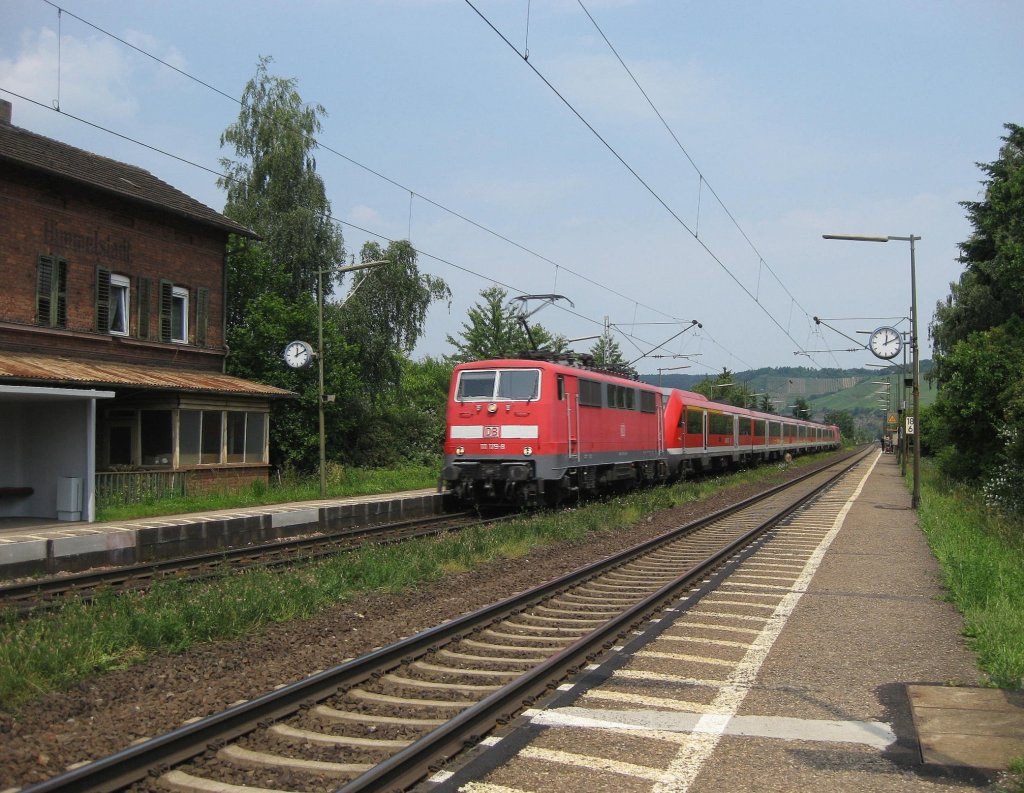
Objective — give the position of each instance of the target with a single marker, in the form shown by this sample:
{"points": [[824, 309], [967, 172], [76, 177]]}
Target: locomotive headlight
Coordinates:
{"points": [[492, 408], [460, 450], [527, 451]]}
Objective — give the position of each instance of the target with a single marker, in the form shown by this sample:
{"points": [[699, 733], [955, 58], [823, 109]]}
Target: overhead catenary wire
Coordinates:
{"points": [[657, 197], [703, 178], [412, 193], [373, 172], [362, 229]]}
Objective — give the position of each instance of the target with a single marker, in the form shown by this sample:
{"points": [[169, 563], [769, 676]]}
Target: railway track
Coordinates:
{"points": [[383, 721], [32, 594]]}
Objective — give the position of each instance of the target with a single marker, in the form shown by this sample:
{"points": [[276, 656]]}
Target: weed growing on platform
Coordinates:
{"points": [[56, 650], [983, 569]]}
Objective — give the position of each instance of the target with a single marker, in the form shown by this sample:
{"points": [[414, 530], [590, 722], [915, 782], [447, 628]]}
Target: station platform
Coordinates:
{"points": [[33, 546], [836, 664]]}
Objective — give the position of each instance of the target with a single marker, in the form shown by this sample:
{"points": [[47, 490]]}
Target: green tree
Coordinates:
{"points": [[274, 287], [409, 422], [980, 406], [977, 421], [801, 408], [387, 312], [606, 351], [493, 330], [273, 188], [724, 388], [991, 288], [843, 420]]}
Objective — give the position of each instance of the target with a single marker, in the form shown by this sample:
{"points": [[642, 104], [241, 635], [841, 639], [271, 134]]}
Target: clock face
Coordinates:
{"points": [[886, 343], [297, 354]]}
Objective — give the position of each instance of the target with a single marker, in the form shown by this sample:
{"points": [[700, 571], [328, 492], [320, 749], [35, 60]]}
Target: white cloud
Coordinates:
{"points": [[364, 216], [87, 76]]}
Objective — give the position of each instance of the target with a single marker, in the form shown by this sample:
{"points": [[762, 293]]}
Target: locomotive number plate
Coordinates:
{"points": [[492, 432]]}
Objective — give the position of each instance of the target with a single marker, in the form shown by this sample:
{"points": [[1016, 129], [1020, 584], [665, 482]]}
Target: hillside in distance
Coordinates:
{"points": [[861, 392]]}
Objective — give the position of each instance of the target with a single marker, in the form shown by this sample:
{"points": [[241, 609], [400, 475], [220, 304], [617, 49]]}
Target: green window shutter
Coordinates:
{"points": [[102, 299], [166, 308], [44, 290], [202, 314], [52, 292], [143, 286], [61, 295]]}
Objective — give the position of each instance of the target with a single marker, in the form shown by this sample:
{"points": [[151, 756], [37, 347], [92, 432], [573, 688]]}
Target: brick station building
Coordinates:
{"points": [[112, 328]]}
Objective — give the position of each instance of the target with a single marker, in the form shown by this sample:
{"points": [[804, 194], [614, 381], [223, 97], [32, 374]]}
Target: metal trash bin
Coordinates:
{"points": [[69, 498]]}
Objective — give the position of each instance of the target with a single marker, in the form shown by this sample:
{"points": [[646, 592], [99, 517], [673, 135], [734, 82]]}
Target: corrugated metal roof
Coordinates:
{"points": [[25, 368], [51, 156]]}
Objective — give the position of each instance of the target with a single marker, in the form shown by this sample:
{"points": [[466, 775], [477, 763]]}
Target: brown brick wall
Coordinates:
{"points": [[44, 216], [226, 480]]}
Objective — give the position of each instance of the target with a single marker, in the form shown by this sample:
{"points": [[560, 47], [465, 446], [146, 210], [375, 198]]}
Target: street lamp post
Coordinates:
{"points": [[914, 348], [320, 352]]}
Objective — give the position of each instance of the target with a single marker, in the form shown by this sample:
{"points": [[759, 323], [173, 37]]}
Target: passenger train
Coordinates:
{"points": [[533, 431]]}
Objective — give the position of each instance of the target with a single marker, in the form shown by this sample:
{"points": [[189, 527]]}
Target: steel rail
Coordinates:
{"points": [[411, 764], [134, 763]]}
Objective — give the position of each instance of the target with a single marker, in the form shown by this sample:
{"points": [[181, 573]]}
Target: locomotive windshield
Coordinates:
{"points": [[498, 384]]}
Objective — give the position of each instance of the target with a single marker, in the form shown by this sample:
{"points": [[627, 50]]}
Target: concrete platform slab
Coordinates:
{"points": [[29, 546]]}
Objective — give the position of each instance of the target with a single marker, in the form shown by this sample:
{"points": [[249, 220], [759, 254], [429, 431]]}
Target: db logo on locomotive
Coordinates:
{"points": [[492, 432]]}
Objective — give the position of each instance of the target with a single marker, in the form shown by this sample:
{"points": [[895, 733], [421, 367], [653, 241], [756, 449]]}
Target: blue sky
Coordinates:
{"points": [[790, 120]]}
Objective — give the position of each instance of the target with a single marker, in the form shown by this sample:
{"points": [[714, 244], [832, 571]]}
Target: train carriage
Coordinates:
{"points": [[530, 431]]}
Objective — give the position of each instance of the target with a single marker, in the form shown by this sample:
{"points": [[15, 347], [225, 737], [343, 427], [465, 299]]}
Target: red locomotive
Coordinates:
{"points": [[523, 431]]}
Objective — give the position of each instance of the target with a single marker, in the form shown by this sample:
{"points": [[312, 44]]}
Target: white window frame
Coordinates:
{"points": [[179, 306], [120, 303]]}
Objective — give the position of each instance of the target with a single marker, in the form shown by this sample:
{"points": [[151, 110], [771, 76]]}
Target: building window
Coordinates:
{"points": [[189, 435], [157, 437], [52, 292], [246, 436], [112, 297], [173, 313], [211, 437], [179, 315], [200, 437], [120, 291]]}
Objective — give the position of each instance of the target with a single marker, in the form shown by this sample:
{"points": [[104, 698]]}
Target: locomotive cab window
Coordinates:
{"points": [[498, 384]]}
